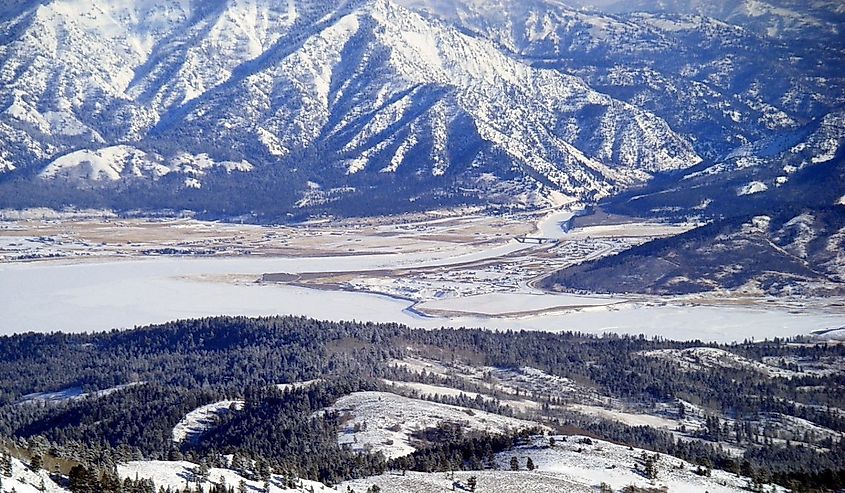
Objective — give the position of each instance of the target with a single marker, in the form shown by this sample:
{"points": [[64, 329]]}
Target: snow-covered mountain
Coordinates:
{"points": [[719, 84], [773, 18], [402, 100]]}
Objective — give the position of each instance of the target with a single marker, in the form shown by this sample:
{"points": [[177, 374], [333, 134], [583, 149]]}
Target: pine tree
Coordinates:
{"points": [[6, 464], [201, 472], [81, 479], [530, 464], [514, 464], [262, 469], [651, 466], [36, 463], [472, 482]]}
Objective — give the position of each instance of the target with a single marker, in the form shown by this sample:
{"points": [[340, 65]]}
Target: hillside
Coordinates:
{"points": [[789, 254], [445, 400], [775, 214], [572, 464]]}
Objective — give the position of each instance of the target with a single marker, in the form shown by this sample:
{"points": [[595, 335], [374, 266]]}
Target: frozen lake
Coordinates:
{"points": [[514, 303], [48, 296]]}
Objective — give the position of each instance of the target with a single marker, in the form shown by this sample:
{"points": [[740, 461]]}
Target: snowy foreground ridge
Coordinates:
{"points": [[573, 464], [178, 474]]}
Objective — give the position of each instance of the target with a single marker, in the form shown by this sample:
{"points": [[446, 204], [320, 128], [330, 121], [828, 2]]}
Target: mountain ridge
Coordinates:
{"points": [[474, 101]]}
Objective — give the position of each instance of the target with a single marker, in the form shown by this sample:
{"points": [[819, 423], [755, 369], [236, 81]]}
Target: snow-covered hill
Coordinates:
{"points": [[788, 254], [572, 464], [390, 423]]}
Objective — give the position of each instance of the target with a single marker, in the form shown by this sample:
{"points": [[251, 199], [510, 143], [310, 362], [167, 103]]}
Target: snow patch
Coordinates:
{"points": [[752, 188], [25, 480], [177, 474], [203, 418], [702, 358], [298, 385]]}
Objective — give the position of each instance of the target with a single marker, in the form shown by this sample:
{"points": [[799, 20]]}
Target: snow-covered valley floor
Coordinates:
{"points": [[430, 272]]}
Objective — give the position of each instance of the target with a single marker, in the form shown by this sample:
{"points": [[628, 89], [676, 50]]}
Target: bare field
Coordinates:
{"points": [[23, 239]]}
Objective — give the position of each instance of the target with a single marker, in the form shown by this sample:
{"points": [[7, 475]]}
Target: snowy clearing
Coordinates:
{"points": [[430, 391], [24, 480], [71, 393], [298, 385], [592, 463], [178, 474], [487, 481], [385, 422], [702, 358], [202, 419], [630, 419]]}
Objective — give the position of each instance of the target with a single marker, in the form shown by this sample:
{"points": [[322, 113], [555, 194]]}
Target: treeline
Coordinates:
{"points": [[223, 353], [268, 194], [452, 449]]}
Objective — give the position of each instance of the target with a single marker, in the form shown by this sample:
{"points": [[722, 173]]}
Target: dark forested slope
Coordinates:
{"points": [[189, 363]]}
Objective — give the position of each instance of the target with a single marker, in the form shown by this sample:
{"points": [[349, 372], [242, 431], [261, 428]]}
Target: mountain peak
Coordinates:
{"points": [[474, 98]]}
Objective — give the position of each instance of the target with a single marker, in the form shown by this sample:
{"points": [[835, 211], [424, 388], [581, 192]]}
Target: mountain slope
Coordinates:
{"points": [[783, 255], [801, 169], [340, 94], [788, 19], [719, 84], [381, 81], [367, 106]]}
